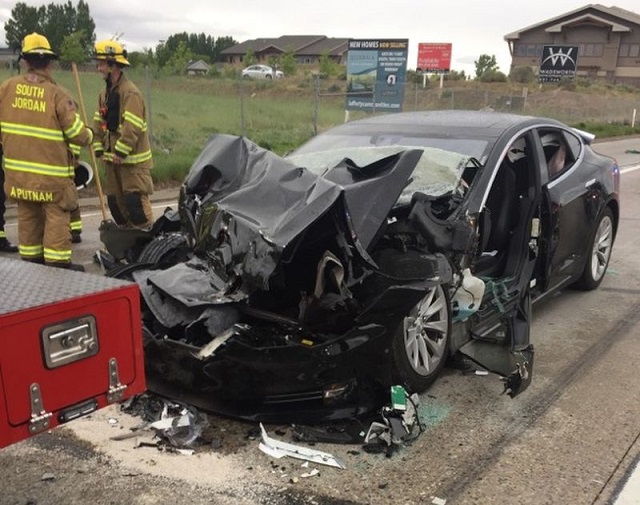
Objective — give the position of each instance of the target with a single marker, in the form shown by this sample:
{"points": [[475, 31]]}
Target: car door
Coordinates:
{"points": [[509, 220], [511, 207], [565, 201]]}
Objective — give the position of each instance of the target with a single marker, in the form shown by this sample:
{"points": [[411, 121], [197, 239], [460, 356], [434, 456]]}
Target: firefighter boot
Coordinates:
{"points": [[6, 246]]}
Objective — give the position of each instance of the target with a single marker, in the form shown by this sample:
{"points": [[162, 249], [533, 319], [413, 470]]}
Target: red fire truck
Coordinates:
{"points": [[70, 343]]}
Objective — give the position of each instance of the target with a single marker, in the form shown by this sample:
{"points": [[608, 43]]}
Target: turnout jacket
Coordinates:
{"points": [[120, 124], [39, 123]]}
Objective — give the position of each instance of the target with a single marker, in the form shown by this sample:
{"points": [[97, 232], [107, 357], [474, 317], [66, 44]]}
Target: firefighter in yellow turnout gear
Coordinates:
{"points": [[122, 140], [38, 122]]}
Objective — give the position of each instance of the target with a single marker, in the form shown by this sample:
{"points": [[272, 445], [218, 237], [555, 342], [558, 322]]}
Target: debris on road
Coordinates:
{"points": [[278, 449], [176, 425], [400, 423]]}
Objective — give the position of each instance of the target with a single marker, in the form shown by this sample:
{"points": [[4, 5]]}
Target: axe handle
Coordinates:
{"points": [[92, 152]]}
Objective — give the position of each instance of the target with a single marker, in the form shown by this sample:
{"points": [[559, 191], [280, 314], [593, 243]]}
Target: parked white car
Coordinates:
{"points": [[261, 72]]}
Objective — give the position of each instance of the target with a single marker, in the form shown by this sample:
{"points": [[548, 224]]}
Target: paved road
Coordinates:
{"points": [[571, 438]]}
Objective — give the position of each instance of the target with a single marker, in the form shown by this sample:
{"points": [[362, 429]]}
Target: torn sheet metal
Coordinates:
{"points": [[278, 449]]}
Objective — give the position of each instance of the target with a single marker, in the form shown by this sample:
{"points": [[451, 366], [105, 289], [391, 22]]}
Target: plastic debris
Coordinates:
{"points": [[312, 473], [400, 423], [278, 449], [175, 424]]}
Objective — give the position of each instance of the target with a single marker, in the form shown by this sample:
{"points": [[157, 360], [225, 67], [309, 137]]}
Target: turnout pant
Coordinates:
{"points": [[2, 201], [43, 232], [128, 188]]}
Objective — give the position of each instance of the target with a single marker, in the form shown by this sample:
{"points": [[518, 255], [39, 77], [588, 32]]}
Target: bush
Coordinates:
{"points": [[523, 75], [493, 76]]}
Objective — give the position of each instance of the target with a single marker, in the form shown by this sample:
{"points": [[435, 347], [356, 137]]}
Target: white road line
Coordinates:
{"points": [[630, 168], [630, 493]]}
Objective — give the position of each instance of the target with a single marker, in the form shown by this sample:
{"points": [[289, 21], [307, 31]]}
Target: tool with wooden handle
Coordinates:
{"points": [[92, 153]]}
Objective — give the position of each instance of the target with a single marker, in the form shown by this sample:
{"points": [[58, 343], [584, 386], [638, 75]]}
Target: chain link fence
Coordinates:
{"points": [[572, 107]]}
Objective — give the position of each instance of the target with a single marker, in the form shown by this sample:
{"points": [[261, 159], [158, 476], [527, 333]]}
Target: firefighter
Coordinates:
{"points": [[75, 226], [122, 140], [5, 245], [38, 122]]}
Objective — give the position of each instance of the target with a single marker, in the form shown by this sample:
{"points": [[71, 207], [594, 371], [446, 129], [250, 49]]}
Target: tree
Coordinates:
{"points": [[54, 21], [493, 76], [223, 43], [288, 62], [85, 24], [484, 64], [249, 58], [522, 75], [141, 58], [24, 20], [72, 50], [180, 58], [202, 46], [454, 75], [327, 65]]}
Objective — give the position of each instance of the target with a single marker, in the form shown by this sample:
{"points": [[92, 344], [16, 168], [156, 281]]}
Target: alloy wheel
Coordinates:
{"points": [[426, 331]]}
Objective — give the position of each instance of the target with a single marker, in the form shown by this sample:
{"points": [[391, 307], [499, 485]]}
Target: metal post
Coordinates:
{"points": [[241, 93], [149, 115], [316, 103], [374, 98]]}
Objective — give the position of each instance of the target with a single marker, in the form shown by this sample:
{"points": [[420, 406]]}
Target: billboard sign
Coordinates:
{"points": [[376, 71], [558, 62], [434, 58]]}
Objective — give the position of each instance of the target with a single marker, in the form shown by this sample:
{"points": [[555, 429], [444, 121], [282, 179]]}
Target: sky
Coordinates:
{"points": [[473, 27]]}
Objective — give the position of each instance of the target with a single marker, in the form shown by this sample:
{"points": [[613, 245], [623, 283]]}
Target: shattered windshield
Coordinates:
{"points": [[437, 172]]}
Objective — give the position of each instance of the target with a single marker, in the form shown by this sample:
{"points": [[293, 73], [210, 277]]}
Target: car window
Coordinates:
{"points": [[557, 153], [574, 143]]}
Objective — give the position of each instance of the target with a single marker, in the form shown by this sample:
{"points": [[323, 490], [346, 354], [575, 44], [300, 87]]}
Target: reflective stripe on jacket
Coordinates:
{"points": [[131, 140], [38, 123]]}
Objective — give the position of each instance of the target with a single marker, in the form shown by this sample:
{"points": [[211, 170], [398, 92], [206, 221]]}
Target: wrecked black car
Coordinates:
{"points": [[302, 287]]}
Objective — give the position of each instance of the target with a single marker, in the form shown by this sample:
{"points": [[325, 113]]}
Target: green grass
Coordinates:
{"points": [[608, 130]]}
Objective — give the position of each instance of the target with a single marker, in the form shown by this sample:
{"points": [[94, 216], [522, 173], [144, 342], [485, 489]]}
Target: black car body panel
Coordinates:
{"points": [[299, 277]]}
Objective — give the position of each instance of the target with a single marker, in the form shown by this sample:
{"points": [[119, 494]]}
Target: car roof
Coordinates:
{"points": [[492, 124]]}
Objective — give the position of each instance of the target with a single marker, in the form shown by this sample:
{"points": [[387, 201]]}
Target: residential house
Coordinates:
{"points": [[305, 49], [608, 41], [198, 68], [7, 57]]}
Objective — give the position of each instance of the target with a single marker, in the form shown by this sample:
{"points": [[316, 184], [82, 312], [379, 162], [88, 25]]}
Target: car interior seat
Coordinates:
{"points": [[499, 219], [556, 162]]}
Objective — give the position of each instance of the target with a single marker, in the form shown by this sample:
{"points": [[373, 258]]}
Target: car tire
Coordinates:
{"points": [[421, 342], [599, 253], [268, 76], [165, 250]]}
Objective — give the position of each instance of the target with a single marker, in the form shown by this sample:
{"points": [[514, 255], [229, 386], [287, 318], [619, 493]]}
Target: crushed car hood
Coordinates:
{"points": [[279, 199], [251, 205]]}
